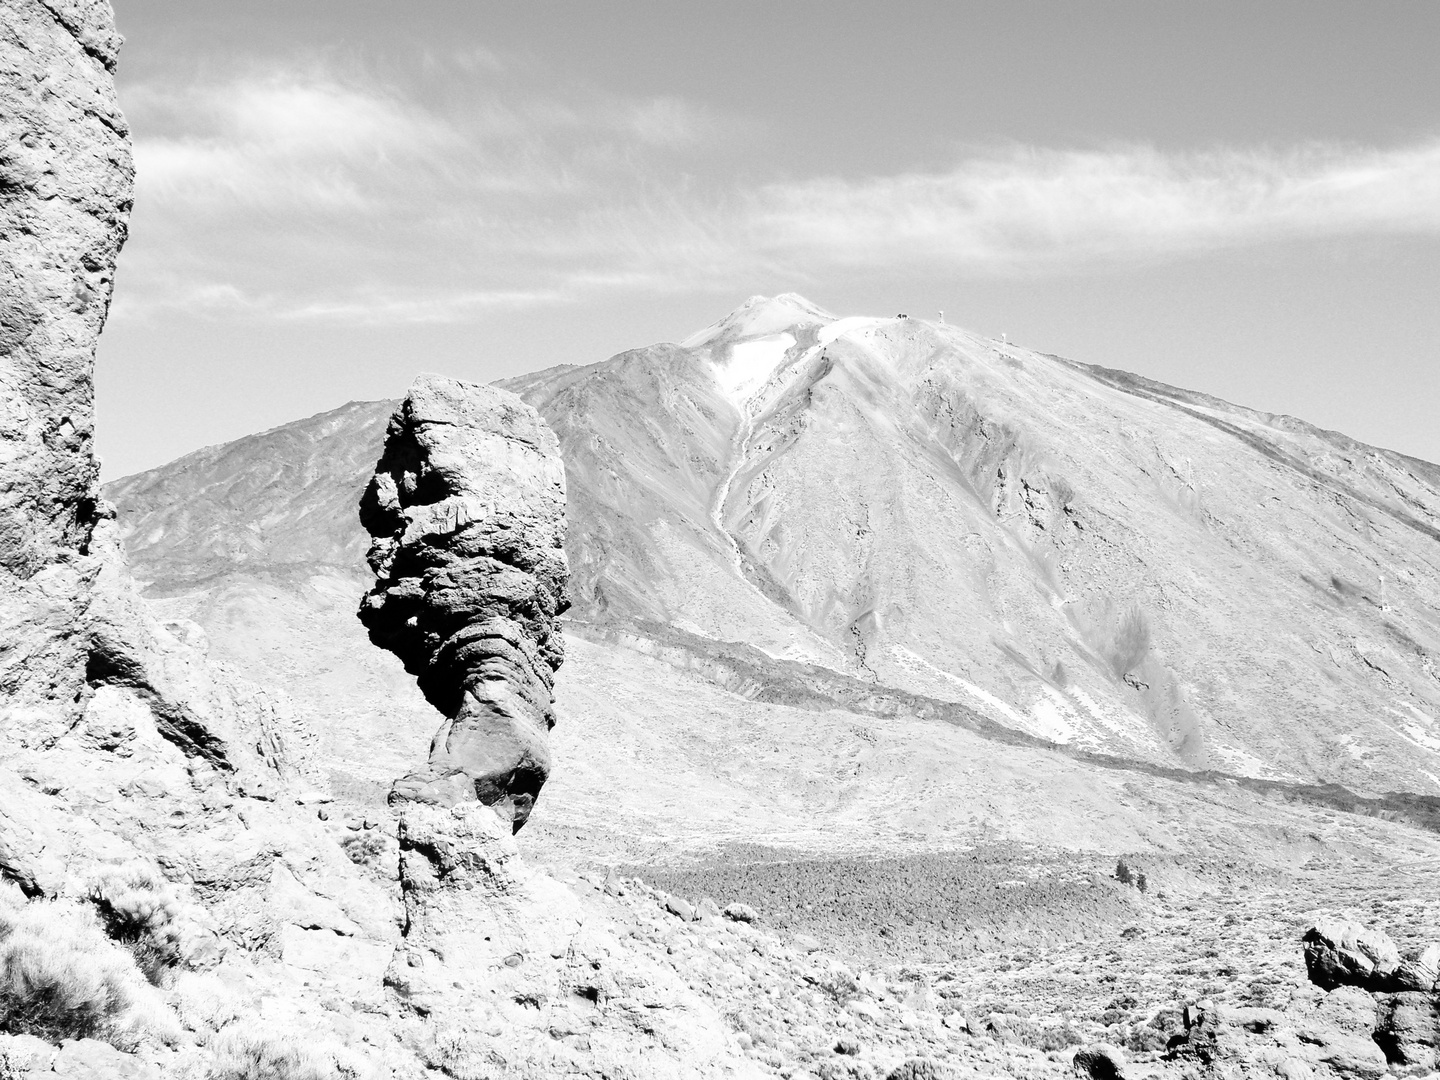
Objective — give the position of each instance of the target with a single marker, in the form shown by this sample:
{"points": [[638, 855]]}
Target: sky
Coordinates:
{"points": [[334, 195]]}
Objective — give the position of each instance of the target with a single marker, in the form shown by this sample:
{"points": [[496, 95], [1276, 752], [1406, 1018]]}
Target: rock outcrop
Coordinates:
{"points": [[1339, 953], [125, 756], [467, 511], [1365, 1014], [66, 184]]}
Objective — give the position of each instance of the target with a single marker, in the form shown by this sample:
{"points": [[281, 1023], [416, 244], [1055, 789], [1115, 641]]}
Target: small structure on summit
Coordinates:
{"points": [[467, 514]]}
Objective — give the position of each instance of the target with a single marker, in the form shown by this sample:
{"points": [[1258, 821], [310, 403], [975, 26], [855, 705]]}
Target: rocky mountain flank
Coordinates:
{"points": [[1075, 556], [1075, 553]]}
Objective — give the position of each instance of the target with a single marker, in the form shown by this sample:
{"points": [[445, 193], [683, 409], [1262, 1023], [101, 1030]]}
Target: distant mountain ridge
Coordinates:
{"points": [[1076, 553]]}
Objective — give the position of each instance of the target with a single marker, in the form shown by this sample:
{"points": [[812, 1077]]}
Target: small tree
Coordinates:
{"points": [[1122, 873], [1140, 882]]}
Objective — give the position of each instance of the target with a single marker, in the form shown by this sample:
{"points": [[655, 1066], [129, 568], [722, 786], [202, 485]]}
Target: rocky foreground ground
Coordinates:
{"points": [[1190, 977], [744, 870], [1154, 974]]}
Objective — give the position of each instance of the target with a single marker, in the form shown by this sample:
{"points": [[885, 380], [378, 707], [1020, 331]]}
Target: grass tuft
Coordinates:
{"points": [[245, 1055], [61, 978], [139, 910]]}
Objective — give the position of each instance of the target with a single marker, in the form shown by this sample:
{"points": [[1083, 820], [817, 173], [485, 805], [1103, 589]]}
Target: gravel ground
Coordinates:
{"points": [[919, 907]]}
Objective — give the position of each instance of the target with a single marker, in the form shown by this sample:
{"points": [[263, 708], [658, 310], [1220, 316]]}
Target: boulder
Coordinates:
{"points": [[1408, 1030], [91, 1059], [1256, 1042], [1419, 971], [1099, 1062], [1341, 953], [467, 515], [1348, 1009]]}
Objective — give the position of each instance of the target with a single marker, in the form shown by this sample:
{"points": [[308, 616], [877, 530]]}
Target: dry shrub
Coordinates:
{"points": [[1037, 1036], [841, 985], [61, 978], [247, 1055], [918, 1069], [203, 1001], [1056, 1037], [462, 1054], [1146, 1039], [363, 848], [140, 910]]}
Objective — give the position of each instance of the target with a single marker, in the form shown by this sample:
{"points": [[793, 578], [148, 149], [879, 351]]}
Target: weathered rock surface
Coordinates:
{"points": [[65, 193], [123, 752], [467, 508], [1419, 971], [1100, 1062], [1259, 1042], [1408, 1029], [1340, 953]]}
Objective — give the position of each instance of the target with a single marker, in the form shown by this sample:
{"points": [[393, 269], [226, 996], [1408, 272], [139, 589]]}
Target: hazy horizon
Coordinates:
{"points": [[331, 198]]}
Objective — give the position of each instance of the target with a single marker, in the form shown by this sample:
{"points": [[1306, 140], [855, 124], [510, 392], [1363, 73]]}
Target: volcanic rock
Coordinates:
{"points": [[1100, 1062], [66, 183], [1341, 953], [1409, 1029], [125, 756], [1256, 1042], [467, 511], [1419, 971], [1347, 1009]]}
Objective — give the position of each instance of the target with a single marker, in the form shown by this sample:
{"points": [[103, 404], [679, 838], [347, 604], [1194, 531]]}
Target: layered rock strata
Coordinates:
{"points": [[467, 512]]}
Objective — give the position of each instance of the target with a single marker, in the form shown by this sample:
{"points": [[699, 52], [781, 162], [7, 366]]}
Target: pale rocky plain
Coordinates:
{"points": [[923, 706]]}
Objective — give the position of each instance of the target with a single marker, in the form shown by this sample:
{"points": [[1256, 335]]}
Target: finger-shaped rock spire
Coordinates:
{"points": [[467, 512]]}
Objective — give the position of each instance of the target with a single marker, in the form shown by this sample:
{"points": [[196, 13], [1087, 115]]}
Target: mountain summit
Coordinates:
{"points": [[761, 316]]}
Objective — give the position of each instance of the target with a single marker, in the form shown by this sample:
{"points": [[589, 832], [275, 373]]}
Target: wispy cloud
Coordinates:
{"points": [[311, 191], [301, 139], [357, 307], [1025, 208]]}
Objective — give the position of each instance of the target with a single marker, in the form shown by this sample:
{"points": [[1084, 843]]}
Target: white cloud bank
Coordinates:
{"points": [[304, 193]]}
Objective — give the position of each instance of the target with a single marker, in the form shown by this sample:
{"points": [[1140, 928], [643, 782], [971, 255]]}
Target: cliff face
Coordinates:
{"points": [[125, 755], [65, 192], [467, 511]]}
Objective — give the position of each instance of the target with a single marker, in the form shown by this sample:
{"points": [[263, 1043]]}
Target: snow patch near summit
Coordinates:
{"points": [[841, 327], [750, 364], [758, 317]]}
